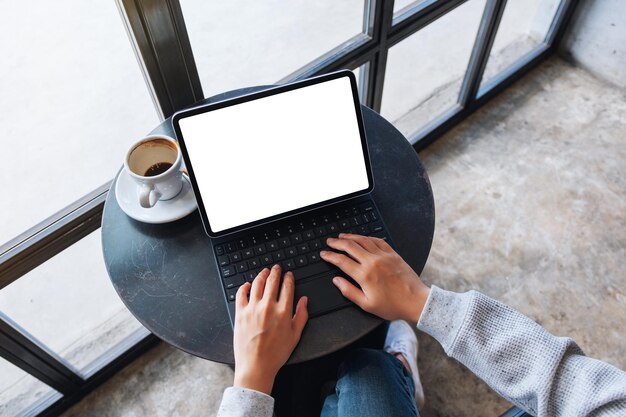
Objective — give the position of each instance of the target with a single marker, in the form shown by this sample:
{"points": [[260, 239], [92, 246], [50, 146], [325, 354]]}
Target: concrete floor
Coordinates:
{"points": [[530, 198]]}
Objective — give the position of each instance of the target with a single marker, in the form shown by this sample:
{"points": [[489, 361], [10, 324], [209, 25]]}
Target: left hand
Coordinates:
{"points": [[266, 332]]}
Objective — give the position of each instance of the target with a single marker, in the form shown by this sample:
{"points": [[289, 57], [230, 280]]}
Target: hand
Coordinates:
{"points": [[389, 287], [266, 333]]}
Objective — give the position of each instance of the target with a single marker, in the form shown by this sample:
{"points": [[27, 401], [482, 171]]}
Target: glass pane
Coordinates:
{"points": [[69, 304], [400, 5], [19, 390], [73, 99], [524, 26], [246, 42], [425, 71]]}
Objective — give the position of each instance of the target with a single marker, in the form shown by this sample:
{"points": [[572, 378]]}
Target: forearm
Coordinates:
{"points": [[540, 373], [243, 402]]}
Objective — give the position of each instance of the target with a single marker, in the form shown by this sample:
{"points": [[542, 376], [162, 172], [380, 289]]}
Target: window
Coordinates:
{"points": [[73, 99]]}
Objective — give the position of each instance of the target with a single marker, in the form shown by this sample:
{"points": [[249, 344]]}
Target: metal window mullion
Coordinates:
{"points": [[30, 355], [381, 11], [485, 37], [158, 33], [560, 23]]}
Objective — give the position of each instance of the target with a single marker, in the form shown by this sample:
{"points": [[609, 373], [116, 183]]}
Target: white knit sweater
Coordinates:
{"points": [[540, 373]]}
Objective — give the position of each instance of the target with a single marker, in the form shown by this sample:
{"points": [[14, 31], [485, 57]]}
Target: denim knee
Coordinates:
{"points": [[363, 366]]}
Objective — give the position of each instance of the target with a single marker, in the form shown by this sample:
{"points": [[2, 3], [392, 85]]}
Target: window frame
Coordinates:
{"points": [[164, 53]]}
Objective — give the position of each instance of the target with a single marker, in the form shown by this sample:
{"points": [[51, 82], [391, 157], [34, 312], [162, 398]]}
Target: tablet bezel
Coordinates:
{"points": [[259, 95]]}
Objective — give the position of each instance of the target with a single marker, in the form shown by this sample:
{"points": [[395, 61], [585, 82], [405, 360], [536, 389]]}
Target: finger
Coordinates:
{"points": [[301, 316], [258, 285], [350, 247], [272, 284], [347, 265], [382, 244], [241, 299], [349, 291], [287, 290], [367, 243]]}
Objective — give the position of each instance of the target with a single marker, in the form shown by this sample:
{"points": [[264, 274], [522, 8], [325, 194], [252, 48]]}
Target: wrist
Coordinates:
{"points": [[256, 380], [419, 301]]}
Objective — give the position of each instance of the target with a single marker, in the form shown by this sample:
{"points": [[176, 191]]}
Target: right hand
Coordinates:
{"points": [[389, 287]]}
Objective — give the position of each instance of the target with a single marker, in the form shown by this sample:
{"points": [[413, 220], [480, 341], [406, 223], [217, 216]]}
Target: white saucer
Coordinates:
{"points": [[163, 211]]}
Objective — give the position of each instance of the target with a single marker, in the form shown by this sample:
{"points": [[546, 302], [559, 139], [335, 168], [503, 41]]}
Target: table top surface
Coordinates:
{"points": [[167, 276]]}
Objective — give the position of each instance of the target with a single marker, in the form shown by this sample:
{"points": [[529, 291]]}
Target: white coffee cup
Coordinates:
{"points": [[155, 164]]}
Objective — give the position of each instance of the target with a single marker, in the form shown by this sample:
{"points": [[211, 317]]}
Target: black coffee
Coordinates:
{"points": [[156, 169]]}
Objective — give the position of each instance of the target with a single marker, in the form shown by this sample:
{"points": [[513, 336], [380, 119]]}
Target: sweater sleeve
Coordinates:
{"points": [[243, 402], [538, 372]]}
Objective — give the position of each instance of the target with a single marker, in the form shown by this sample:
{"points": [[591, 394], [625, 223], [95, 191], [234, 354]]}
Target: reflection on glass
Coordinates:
{"points": [[20, 391], [69, 304], [425, 71], [73, 99], [399, 6], [245, 42], [524, 26]]}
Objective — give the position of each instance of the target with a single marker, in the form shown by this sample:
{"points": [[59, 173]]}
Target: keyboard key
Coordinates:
{"points": [[279, 255], [321, 231], [266, 237], [250, 276], [364, 230], [223, 260], [315, 223], [231, 294], [296, 238], [344, 224], [291, 252], [367, 207], [355, 221], [325, 219], [376, 227], [373, 215], [313, 269], [248, 253], [308, 234], [230, 247], [242, 243], [260, 249], [303, 248], [300, 226], [228, 270], [366, 218], [333, 229], [241, 267], [289, 265], [290, 229], [234, 281], [284, 242], [254, 263], [219, 250], [272, 246], [266, 259], [313, 257], [315, 245], [235, 256], [300, 261]]}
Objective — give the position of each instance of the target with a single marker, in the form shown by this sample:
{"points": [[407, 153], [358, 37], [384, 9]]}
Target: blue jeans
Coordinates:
{"points": [[372, 383]]}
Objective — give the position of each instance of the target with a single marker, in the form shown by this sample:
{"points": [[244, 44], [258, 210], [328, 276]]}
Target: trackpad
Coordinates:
{"points": [[322, 293]]}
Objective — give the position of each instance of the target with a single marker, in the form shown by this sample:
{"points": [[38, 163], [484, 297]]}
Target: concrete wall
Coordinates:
{"points": [[596, 39]]}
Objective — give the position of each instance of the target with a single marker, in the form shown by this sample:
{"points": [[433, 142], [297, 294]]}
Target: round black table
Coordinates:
{"points": [[167, 277]]}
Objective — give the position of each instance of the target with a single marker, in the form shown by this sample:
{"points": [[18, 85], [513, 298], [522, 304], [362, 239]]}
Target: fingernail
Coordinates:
{"points": [[329, 239], [336, 281], [276, 266], [323, 253], [342, 234]]}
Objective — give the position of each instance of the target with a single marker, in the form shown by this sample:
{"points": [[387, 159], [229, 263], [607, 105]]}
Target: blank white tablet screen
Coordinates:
{"points": [[275, 154]]}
